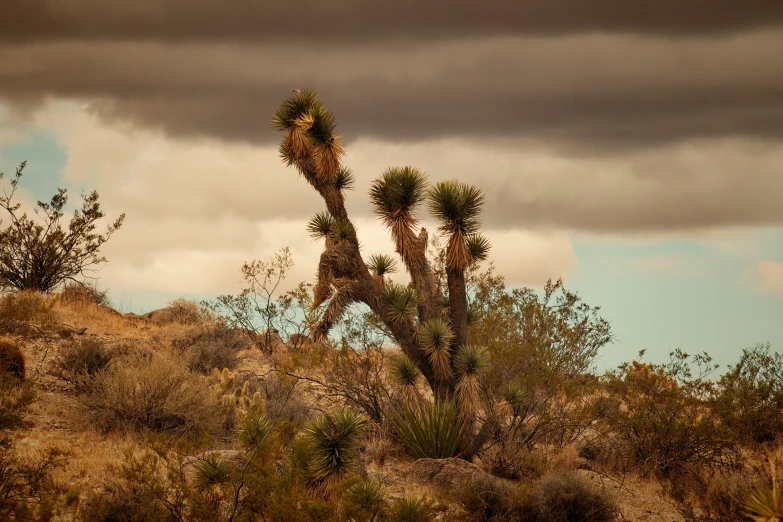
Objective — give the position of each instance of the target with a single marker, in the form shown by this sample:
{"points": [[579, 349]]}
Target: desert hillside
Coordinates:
{"points": [[175, 415]]}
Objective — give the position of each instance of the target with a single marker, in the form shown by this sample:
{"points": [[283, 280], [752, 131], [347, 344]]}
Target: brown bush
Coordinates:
{"points": [[80, 360], [567, 496], [11, 359], [153, 392]]}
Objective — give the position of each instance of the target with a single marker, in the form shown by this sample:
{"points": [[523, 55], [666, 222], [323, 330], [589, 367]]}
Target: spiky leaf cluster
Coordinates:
{"points": [[320, 225], [394, 197], [254, 429], [435, 336], [381, 264], [345, 179], [211, 471], [428, 429], [457, 206], [342, 230], [310, 129], [401, 302], [469, 363]]}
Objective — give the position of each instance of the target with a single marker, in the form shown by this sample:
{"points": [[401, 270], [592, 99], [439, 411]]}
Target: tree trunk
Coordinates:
{"points": [[458, 304]]}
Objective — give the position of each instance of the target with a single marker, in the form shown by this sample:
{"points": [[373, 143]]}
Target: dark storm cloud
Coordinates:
{"points": [[591, 92], [327, 22]]}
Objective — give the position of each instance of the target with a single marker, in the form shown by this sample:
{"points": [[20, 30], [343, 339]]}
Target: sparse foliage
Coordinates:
{"points": [[40, 254]]}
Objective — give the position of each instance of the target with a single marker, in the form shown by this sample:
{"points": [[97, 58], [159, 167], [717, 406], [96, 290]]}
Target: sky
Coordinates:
{"points": [[634, 149]]}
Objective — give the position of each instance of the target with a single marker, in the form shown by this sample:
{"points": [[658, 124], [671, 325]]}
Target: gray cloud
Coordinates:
{"points": [[350, 21], [589, 93]]}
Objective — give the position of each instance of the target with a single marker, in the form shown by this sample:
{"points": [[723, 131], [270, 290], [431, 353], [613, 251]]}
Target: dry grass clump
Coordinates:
{"points": [[84, 293], [12, 359], [27, 313], [567, 496], [152, 393]]}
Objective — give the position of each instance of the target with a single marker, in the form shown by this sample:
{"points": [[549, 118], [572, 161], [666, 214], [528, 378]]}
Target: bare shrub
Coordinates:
{"points": [[155, 393]]}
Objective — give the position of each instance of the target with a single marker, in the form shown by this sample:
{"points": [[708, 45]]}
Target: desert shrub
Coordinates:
{"points": [[542, 348], [411, 509], [26, 484], [566, 496], [56, 252], [709, 497], [428, 429], [27, 313], [80, 360], [664, 423], [185, 311], [750, 396], [485, 498], [215, 346], [84, 293], [155, 393], [283, 401], [126, 503], [12, 361]]}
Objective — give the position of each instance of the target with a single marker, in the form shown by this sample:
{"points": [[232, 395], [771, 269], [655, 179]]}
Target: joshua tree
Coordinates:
{"points": [[428, 322]]}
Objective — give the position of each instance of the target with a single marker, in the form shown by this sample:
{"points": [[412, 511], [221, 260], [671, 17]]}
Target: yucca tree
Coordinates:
{"points": [[429, 333]]}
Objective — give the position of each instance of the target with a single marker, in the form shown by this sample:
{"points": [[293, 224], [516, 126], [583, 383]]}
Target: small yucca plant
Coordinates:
{"points": [[211, 471], [366, 497], [428, 429], [335, 440], [410, 509], [766, 504], [254, 429], [435, 337]]}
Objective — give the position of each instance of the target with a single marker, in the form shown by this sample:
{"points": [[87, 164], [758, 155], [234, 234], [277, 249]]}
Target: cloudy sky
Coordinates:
{"points": [[632, 148]]}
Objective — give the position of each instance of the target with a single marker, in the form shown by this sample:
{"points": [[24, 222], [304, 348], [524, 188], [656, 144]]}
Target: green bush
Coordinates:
{"points": [[428, 429], [750, 396], [664, 423]]}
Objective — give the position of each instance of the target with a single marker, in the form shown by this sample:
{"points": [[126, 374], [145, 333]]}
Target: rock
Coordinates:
{"points": [[448, 474], [297, 341]]}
